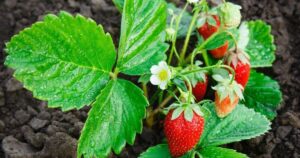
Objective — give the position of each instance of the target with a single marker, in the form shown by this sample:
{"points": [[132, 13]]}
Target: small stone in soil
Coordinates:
{"points": [[36, 123], [13, 148], [44, 115], [22, 116], [13, 85], [283, 131], [35, 139], [58, 144]]}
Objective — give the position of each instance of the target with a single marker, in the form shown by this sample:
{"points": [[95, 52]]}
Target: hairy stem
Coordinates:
{"points": [[190, 30], [175, 39]]}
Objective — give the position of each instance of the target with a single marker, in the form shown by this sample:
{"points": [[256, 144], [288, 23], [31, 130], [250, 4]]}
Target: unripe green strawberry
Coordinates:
{"points": [[231, 15], [182, 135]]}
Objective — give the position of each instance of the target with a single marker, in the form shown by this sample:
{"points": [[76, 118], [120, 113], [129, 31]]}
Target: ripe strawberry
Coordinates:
{"points": [[240, 63], [242, 72], [219, 52], [200, 89], [224, 107], [182, 135], [207, 30]]}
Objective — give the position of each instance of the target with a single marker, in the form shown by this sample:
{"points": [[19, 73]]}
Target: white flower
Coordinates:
{"points": [[193, 1], [161, 75]]}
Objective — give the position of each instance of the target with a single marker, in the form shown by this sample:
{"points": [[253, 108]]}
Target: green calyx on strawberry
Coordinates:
{"points": [[183, 128], [239, 61], [207, 26], [227, 95]]}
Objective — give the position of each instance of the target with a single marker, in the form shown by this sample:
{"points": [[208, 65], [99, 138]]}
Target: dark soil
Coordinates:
{"points": [[29, 129]]}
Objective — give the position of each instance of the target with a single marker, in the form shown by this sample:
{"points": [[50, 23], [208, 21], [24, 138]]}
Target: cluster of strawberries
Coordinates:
{"points": [[183, 135]]}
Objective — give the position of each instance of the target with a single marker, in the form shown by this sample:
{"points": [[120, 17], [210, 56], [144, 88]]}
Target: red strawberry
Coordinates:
{"points": [[200, 89], [242, 72], [224, 107], [207, 30], [219, 52], [182, 135], [240, 63]]}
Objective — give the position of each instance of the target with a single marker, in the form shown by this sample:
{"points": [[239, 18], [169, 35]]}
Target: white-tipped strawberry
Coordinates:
{"points": [[227, 95]]}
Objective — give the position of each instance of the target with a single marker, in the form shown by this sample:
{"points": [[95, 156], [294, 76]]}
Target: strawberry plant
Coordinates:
{"points": [[209, 91]]}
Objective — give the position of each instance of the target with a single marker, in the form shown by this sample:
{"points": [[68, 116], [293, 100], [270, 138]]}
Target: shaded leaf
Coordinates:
{"points": [[184, 23], [262, 94]]}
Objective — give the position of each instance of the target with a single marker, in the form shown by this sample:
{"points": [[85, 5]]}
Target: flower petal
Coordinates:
{"points": [[155, 69], [155, 80], [163, 85]]}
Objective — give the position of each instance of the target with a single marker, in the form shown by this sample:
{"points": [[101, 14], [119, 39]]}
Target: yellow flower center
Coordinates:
{"points": [[163, 75]]}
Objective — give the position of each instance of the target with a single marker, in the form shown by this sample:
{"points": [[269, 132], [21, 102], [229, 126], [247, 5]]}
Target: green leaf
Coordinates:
{"points": [[65, 60], [142, 36], [260, 48], [218, 152], [114, 119], [217, 40], [184, 23], [119, 4], [262, 94], [158, 151], [243, 123]]}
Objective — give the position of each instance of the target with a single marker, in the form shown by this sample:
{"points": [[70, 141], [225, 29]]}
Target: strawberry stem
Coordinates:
{"points": [[187, 39], [175, 39]]}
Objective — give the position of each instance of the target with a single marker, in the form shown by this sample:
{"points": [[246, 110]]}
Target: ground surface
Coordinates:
{"points": [[28, 127]]}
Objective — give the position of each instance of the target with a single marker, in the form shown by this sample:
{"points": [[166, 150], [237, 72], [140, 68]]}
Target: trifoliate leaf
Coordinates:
{"points": [[262, 94], [142, 36], [64, 60], [115, 118], [218, 152], [242, 123], [260, 47]]}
